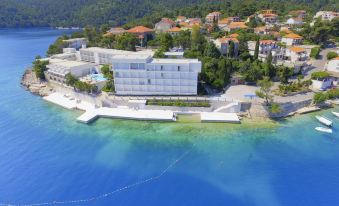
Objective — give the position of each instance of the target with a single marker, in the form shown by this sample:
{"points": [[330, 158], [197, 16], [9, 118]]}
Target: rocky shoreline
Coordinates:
{"points": [[34, 85]]}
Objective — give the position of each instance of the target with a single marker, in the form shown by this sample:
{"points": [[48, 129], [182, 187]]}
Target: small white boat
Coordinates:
{"points": [[335, 114], [323, 129], [324, 121]]}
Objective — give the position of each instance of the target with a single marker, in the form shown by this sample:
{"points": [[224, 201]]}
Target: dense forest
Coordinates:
{"points": [[26, 13]]}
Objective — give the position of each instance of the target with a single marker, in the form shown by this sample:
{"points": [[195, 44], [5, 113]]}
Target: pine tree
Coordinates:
{"points": [[256, 51]]}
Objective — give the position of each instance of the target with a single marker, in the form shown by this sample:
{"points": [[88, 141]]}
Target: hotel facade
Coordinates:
{"points": [[138, 73]]}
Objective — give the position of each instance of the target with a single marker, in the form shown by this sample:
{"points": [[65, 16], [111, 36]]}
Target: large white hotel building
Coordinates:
{"points": [[138, 73]]}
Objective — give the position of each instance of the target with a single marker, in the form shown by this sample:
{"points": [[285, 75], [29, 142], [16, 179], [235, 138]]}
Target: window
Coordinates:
{"points": [[161, 67], [178, 68], [162, 75], [149, 81]]}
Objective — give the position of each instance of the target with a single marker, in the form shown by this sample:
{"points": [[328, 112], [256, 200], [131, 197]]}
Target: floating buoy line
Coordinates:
{"points": [[108, 194]]}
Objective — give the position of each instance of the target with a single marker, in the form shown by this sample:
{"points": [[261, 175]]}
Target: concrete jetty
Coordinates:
{"points": [[219, 117], [93, 112], [125, 113]]}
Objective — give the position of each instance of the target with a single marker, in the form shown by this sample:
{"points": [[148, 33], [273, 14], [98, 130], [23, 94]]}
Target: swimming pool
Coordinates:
{"points": [[98, 77]]}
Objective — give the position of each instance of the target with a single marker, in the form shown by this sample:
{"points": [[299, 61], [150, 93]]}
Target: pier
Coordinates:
{"points": [[93, 112]]}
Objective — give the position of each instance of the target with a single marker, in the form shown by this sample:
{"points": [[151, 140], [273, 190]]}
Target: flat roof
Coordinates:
{"points": [[171, 61], [116, 51], [67, 63]]}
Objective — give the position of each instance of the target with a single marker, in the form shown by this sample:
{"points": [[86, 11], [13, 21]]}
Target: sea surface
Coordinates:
{"points": [[47, 157]]}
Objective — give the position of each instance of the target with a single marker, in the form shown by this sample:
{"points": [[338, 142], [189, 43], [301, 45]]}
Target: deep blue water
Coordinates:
{"points": [[46, 156]]}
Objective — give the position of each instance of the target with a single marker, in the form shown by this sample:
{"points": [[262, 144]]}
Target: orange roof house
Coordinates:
{"points": [[233, 35], [293, 36], [139, 30], [236, 25], [143, 33], [267, 42], [228, 39], [174, 29], [116, 31], [297, 49]]}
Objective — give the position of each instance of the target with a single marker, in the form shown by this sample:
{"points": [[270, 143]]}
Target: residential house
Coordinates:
{"points": [[116, 31], [269, 18], [180, 19], [223, 45], [223, 23], [236, 25], [144, 34], [213, 17], [295, 54], [332, 67], [263, 30], [76, 43], [164, 24], [194, 21], [145, 75], [326, 15], [294, 21], [298, 13], [174, 31], [265, 48], [292, 39]]}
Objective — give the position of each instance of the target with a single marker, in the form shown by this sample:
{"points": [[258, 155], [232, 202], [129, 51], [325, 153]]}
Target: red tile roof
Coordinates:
{"points": [[139, 29], [293, 36]]}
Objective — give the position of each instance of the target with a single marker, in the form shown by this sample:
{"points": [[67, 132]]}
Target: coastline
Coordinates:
{"points": [[255, 115]]}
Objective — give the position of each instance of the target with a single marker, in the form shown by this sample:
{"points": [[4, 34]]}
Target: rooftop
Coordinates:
{"points": [[293, 36], [297, 49], [139, 29], [177, 61]]}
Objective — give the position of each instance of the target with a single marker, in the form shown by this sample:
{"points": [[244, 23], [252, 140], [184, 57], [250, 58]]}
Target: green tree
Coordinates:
{"points": [[319, 97], [70, 79], [166, 41], [211, 50], [256, 50], [315, 52], [231, 50], [39, 67], [183, 39], [106, 71], [126, 42], [159, 53], [265, 90]]}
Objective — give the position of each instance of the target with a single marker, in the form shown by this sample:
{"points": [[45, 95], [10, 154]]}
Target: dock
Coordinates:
{"points": [[126, 113], [219, 117], [308, 110], [93, 112]]}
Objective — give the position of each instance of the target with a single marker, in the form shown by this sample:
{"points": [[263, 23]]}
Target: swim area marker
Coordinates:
{"points": [[105, 195]]}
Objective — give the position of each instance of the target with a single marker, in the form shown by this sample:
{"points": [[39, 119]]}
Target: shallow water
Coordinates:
{"points": [[46, 156]]}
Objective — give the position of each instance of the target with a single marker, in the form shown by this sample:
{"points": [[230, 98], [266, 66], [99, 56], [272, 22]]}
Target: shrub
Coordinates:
{"points": [[320, 75], [331, 55], [315, 52], [275, 108], [320, 97]]}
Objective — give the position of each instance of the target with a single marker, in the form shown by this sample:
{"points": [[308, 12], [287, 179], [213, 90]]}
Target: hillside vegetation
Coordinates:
{"points": [[26, 13]]}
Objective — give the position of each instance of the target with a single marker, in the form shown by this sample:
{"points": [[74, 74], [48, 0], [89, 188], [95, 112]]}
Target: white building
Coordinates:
{"points": [[292, 39], [265, 47], [223, 45], [143, 75], [104, 56], [333, 65], [296, 54], [76, 43], [58, 69], [326, 15]]}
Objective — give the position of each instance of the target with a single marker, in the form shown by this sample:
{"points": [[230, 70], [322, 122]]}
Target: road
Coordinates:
{"points": [[318, 64]]}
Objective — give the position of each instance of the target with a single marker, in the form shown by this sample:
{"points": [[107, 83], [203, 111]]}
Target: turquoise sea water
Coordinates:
{"points": [[46, 156]]}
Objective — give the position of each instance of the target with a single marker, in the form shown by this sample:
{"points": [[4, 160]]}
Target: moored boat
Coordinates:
{"points": [[323, 129], [335, 114], [324, 120]]}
